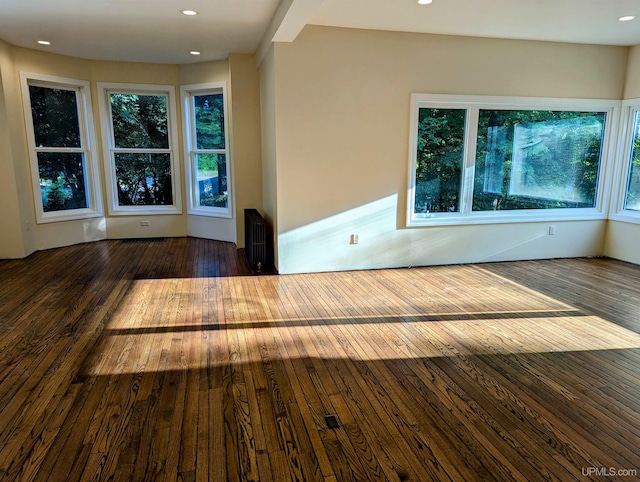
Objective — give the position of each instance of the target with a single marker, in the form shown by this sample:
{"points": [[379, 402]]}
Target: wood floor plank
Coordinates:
{"points": [[162, 359]]}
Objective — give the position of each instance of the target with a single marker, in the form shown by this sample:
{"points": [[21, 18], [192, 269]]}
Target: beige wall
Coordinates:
{"points": [[622, 241], [247, 151], [25, 236], [342, 103], [632, 83], [268, 128], [326, 156], [11, 236], [623, 238]]}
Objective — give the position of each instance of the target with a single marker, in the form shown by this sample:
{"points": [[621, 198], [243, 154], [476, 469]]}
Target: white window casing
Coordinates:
{"points": [[195, 205], [86, 148], [110, 150], [473, 105], [622, 169]]}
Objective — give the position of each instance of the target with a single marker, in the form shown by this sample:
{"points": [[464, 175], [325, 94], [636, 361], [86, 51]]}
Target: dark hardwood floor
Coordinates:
{"points": [[163, 360]]}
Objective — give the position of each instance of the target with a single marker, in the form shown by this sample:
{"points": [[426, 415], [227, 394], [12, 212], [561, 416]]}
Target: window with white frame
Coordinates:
{"points": [[494, 159], [140, 141], [61, 147], [632, 193], [628, 199], [207, 149]]}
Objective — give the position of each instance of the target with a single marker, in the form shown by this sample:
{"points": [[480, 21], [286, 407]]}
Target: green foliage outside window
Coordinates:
{"points": [[141, 122], [56, 126], [537, 159], [632, 200], [212, 180], [62, 181], [144, 179], [524, 160], [439, 160], [209, 112], [211, 167], [55, 117]]}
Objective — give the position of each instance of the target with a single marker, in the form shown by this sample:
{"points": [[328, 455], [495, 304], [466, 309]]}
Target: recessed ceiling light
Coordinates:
{"points": [[44, 42], [626, 18], [424, 2], [188, 12], [194, 52]]}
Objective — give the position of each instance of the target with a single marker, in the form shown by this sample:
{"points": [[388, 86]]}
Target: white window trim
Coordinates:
{"points": [[87, 141], [186, 94], [623, 157], [113, 208], [473, 104]]}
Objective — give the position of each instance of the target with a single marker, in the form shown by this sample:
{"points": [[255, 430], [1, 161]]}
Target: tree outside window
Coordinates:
{"points": [[207, 149], [61, 144], [632, 196], [58, 145], [141, 144], [440, 157], [537, 159], [496, 159], [139, 148], [210, 152]]}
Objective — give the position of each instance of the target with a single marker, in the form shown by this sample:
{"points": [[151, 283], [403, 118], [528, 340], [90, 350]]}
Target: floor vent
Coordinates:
{"points": [[332, 421]]}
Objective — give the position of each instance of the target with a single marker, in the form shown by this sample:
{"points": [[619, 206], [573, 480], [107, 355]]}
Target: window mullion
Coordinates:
{"points": [[209, 151], [124, 150], [470, 140], [61, 149]]}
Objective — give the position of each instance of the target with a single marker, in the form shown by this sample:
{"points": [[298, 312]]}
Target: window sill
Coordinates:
{"points": [[76, 215], [505, 217], [211, 212], [631, 217], [144, 210]]}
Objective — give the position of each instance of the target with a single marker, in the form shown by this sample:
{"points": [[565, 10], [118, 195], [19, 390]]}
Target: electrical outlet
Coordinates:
{"points": [[144, 223], [552, 230], [354, 239]]}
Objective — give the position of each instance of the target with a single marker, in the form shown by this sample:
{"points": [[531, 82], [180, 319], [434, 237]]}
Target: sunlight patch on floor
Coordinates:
{"points": [[180, 324]]}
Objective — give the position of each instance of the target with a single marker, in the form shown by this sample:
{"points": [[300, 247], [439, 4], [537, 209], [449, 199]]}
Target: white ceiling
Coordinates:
{"points": [[137, 30], [156, 31], [577, 21]]}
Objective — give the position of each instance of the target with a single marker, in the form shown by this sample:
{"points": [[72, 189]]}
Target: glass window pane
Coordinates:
{"points": [[439, 160], [62, 181], [139, 121], [212, 180], [632, 197], [144, 179], [537, 159], [55, 117], [209, 118]]}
